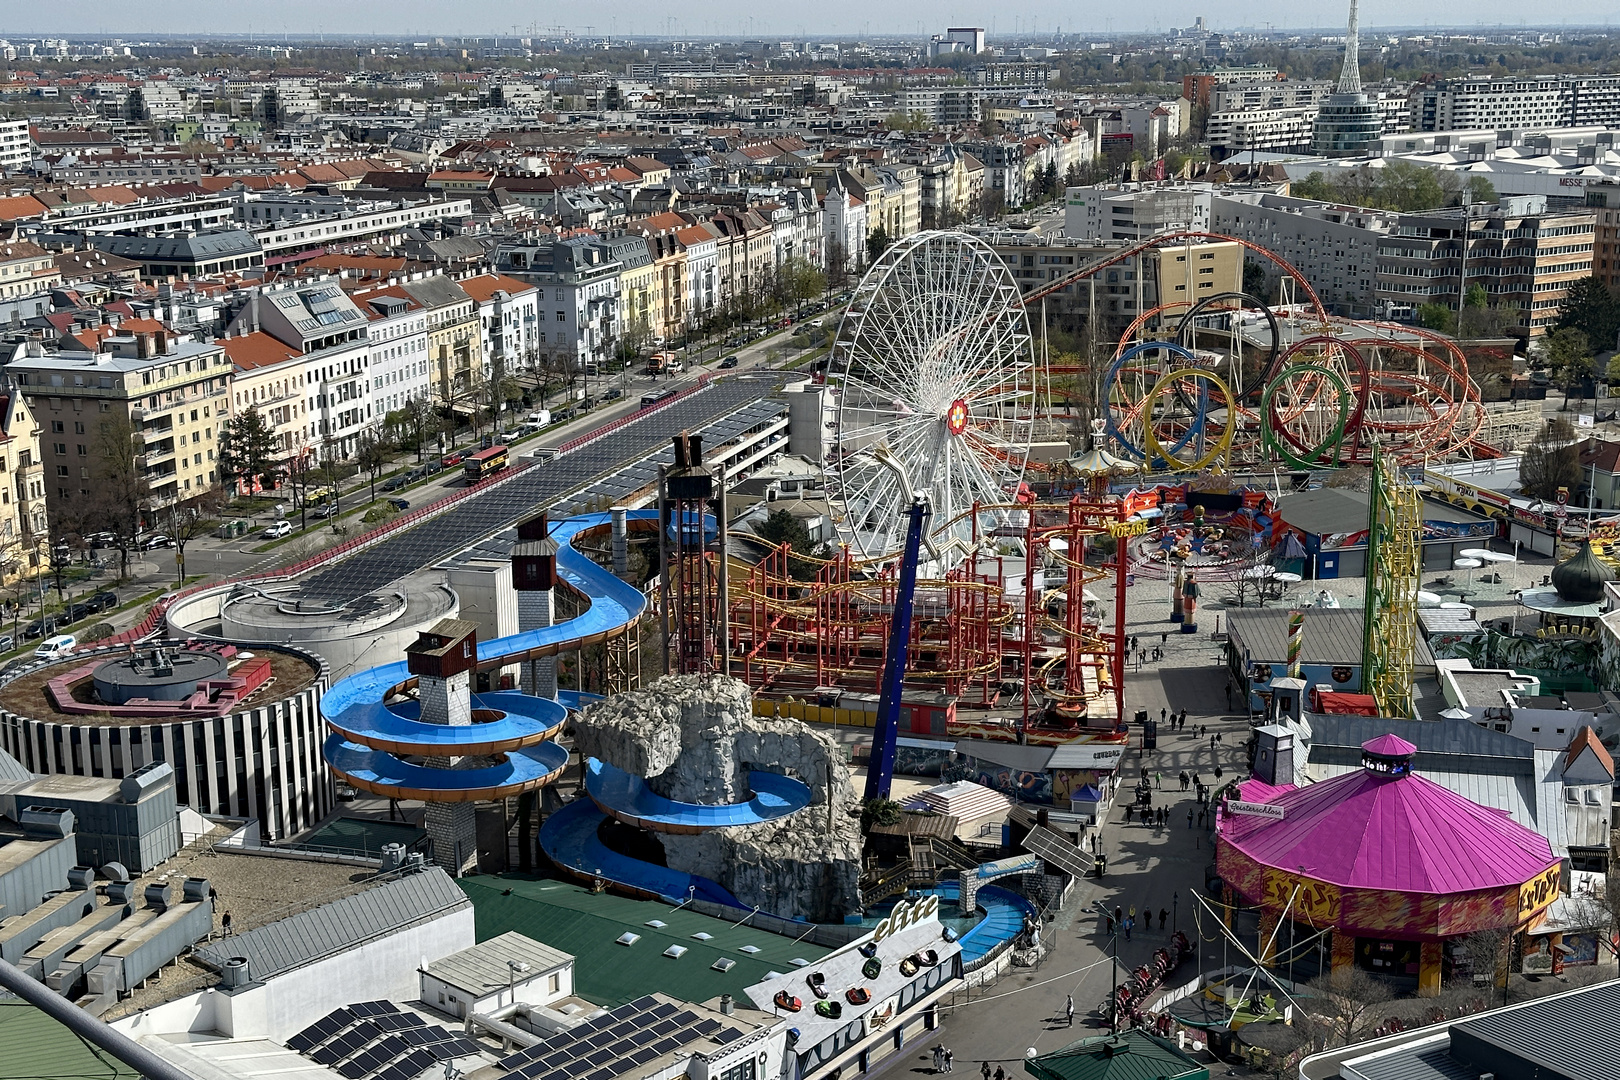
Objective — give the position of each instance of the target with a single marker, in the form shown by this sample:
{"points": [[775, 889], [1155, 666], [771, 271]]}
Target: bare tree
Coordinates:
{"points": [[1350, 1002], [189, 519]]}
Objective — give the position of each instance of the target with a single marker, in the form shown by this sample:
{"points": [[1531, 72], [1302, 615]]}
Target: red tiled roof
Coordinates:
{"points": [[256, 350], [486, 286]]}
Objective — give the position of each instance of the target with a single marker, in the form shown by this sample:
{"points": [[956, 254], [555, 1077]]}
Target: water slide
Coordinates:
{"points": [[370, 739]]}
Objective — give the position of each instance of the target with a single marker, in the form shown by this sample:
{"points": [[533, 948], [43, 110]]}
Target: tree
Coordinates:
{"points": [[1569, 354], [122, 494], [1435, 317], [299, 469], [1315, 186], [877, 242], [1254, 278], [1589, 307], [782, 527], [191, 518], [374, 453], [1479, 189], [1349, 1000], [247, 449], [1551, 461]]}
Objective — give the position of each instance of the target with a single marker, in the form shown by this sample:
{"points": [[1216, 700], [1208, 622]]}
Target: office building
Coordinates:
{"points": [[1509, 101], [1348, 118]]}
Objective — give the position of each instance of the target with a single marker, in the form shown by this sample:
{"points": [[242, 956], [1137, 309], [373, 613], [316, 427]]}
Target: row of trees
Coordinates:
{"points": [[1398, 185]]}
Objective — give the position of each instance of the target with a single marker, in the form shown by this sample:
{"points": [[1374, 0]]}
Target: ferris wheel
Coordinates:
{"points": [[933, 370]]}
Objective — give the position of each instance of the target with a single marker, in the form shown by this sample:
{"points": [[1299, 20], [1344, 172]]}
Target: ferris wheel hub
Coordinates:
{"points": [[956, 418]]}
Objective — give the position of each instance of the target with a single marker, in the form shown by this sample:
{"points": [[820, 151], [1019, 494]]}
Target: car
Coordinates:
{"points": [[39, 628], [729, 362], [58, 646], [79, 611], [452, 459], [156, 540], [7, 642], [105, 601], [612, 395], [509, 436], [394, 483], [277, 531], [434, 466], [400, 504], [673, 368], [324, 511], [100, 540], [587, 403], [562, 414]]}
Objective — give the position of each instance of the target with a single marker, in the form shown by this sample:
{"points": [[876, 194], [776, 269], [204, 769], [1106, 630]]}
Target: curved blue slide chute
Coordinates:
{"points": [[627, 797], [369, 738]]}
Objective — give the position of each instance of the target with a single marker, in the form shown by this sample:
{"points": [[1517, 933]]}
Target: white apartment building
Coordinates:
{"points": [[1252, 94], [509, 320], [16, 149], [1517, 102], [1135, 211], [1334, 246], [400, 367], [333, 336], [1260, 130], [269, 378], [702, 250]]}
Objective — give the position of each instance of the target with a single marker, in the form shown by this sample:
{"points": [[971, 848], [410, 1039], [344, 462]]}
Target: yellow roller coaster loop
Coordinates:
{"points": [[1221, 445]]}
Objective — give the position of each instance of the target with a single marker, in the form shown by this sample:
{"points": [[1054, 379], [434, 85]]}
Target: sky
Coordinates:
{"points": [[740, 18]]}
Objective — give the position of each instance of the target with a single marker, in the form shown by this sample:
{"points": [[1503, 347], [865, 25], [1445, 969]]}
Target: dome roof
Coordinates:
{"points": [[1580, 580]]}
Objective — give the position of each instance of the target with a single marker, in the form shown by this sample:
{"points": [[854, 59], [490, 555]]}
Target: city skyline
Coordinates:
{"points": [[730, 20]]}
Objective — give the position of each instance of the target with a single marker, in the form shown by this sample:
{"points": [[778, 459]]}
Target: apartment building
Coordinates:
{"points": [[455, 341], [640, 299], [508, 322], [400, 368], [1248, 95], [1523, 255], [701, 247], [1135, 211], [16, 148], [950, 184], [1117, 294], [1517, 102], [844, 214], [1334, 246], [1604, 199], [268, 378], [172, 393], [24, 525], [577, 283], [943, 106], [320, 321], [745, 254], [26, 269], [1276, 131]]}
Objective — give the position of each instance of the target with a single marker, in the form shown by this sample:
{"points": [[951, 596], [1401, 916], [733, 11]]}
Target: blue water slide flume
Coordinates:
{"points": [[370, 737], [627, 797]]}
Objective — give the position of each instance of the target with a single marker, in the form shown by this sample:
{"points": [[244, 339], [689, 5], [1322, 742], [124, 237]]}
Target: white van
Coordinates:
{"points": [[53, 648], [541, 418]]}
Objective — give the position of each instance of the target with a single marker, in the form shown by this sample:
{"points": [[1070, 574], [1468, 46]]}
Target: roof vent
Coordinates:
{"points": [[675, 952], [725, 963], [701, 936], [627, 938], [657, 924], [749, 949]]}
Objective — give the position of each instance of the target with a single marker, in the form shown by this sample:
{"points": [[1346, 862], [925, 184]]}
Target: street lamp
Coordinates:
{"points": [[1113, 948], [1175, 911]]}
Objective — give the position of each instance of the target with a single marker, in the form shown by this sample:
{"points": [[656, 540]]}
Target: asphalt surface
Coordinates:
{"points": [[535, 488]]}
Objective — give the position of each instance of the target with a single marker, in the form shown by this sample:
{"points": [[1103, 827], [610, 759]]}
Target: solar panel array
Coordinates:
{"points": [[626, 1038], [376, 1039], [539, 485]]}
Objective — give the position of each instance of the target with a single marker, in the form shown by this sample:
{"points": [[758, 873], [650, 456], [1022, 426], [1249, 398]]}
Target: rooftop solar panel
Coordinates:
{"points": [[686, 1035], [326, 1055], [685, 1017], [600, 1074], [642, 1038], [301, 1042], [577, 1068], [664, 1009], [397, 1021], [531, 1071], [601, 1057], [623, 1046], [356, 1067], [664, 1027], [706, 1026], [641, 1057], [730, 1033], [664, 1046], [623, 1028]]}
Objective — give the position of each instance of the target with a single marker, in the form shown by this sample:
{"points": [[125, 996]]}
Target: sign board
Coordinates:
{"points": [[905, 914], [1254, 809], [1083, 756]]}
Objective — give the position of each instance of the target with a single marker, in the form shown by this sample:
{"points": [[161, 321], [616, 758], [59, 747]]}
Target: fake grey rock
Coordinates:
{"points": [[696, 739]]}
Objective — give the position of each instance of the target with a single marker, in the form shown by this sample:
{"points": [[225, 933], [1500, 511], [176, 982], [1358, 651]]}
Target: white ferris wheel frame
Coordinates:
{"points": [[934, 361]]}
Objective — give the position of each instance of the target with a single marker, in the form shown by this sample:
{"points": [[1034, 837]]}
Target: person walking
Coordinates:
{"points": [[1164, 637], [1183, 717], [1158, 780], [1200, 817], [1212, 739], [950, 1057], [1130, 921], [1068, 1009], [1162, 714], [1164, 917], [939, 1059], [1228, 697], [1189, 817], [225, 924], [1001, 1073], [984, 1069]]}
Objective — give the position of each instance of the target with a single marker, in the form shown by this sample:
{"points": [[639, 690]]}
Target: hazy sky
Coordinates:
{"points": [[738, 17]]}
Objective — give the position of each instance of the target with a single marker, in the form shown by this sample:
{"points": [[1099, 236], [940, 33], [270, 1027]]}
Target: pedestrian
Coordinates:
{"points": [[1164, 917], [1133, 643], [1197, 783], [1218, 735], [1212, 739], [1183, 717], [1131, 914], [939, 1059], [1162, 714], [1158, 780], [1000, 1073], [1200, 817], [984, 1068], [1129, 809], [1164, 637], [1118, 915], [1189, 817], [950, 1056], [1068, 1009], [225, 924], [1130, 921]]}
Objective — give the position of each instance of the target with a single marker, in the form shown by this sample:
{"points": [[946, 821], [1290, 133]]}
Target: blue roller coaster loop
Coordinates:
{"points": [[1194, 430]]}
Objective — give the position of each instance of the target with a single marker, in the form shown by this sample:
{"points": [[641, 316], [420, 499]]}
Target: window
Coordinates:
{"points": [[60, 448], [62, 470], [84, 451], [555, 983], [56, 427]]}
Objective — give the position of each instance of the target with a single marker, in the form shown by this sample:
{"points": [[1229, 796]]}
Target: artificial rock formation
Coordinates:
{"points": [[696, 739]]}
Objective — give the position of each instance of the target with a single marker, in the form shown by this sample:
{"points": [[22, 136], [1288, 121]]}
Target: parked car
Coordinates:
{"points": [[613, 394], [562, 414], [510, 436], [7, 642], [452, 459], [277, 531], [80, 611], [400, 504], [100, 540], [57, 646], [729, 362], [105, 601], [324, 511], [394, 483], [156, 540], [432, 467], [40, 628]]}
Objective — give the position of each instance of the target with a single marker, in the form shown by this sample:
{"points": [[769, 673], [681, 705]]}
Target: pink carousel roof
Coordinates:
{"points": [[1404, 833]]}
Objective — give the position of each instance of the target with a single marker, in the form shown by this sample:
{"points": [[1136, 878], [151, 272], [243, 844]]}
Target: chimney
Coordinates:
{"points": [[143, 345]]}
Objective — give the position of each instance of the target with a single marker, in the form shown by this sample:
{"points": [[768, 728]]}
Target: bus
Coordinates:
{"points": [[652, 398], [484, 463]]}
